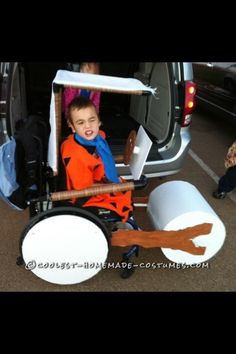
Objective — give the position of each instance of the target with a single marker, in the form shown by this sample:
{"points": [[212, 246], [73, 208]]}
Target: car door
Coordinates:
{"points": [[203, 71], [220, 72], [13, 94], [3, 100], [155, 112], [211, 74], [216, 87]]}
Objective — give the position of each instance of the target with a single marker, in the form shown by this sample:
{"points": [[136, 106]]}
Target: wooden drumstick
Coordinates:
{"points": [[58, 100], [113, 89], [97, 190], [129, 148]]}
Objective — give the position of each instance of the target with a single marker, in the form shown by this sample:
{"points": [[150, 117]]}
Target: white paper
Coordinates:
{"points": [[92, 81], [140, 153]]}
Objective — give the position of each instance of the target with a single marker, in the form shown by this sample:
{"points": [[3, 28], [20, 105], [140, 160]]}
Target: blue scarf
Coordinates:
{"points": [[104, 152]]}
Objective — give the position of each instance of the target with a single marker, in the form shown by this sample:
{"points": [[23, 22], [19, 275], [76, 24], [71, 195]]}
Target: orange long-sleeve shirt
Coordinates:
{"points": [[83, 170]]}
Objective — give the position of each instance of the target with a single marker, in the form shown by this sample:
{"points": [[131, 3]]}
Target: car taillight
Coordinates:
{"points": [[189, 103]]}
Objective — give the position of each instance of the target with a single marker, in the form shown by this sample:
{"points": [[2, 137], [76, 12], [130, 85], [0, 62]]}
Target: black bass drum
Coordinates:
{"points": [[65, 245]]}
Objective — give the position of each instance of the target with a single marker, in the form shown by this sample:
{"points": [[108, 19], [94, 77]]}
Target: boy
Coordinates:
{"points": [[87, 159]]}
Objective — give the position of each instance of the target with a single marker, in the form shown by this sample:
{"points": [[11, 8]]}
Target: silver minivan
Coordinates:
{"points": [[25, 89]]}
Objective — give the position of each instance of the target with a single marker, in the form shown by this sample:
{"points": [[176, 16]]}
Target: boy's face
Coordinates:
{"points": [[86, 122]]}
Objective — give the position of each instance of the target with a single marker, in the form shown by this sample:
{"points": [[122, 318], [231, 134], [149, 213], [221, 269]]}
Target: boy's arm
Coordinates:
{"points": [[78, 174]]}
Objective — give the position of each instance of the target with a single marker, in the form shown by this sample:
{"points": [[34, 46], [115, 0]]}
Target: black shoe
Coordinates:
{"points": [[127, 269], [219, 195]]}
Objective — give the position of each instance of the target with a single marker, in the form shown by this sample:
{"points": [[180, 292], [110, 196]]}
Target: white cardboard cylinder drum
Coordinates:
{"points": [[64, 249], [176, 205]]}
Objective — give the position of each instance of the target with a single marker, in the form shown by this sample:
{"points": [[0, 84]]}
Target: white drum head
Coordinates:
{"points": [[213, 241], [64, 249]]}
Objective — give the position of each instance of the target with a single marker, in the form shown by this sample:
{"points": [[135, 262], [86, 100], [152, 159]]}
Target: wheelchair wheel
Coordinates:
{"points": [[65, 245]]}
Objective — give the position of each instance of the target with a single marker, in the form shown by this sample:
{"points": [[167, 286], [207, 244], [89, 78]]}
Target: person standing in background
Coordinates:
{"points": [[70, 93], [228, 181]]}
